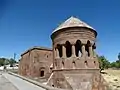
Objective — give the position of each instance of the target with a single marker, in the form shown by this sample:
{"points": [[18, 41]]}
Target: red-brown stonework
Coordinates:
{"points": [[36, 62], [73, 59], [76, 66]]}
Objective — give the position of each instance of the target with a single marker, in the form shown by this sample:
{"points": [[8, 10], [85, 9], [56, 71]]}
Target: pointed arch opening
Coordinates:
{"points": [[95, 63], [74, 64], [94, 47], [87, 48], [68, 49], [59, 47], [62, 64], [78, 50], [86, 64]]}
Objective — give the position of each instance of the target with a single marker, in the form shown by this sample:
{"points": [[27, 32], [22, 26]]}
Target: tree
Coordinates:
{"points": [[12, 62], [2, 61], [118, 60], [113, 64], [104, 63], [119, 56]]}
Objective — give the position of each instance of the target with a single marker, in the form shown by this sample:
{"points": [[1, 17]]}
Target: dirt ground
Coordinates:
{"points": [[113, 78]]}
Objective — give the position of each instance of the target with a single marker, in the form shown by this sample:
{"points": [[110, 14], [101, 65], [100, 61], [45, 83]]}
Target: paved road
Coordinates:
{"points": [[21, 84], [5, 84]]}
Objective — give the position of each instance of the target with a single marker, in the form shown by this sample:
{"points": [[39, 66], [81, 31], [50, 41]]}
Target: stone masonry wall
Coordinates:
{"points": [[36, 61]]}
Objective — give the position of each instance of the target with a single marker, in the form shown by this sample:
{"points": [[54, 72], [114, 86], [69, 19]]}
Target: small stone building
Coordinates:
{"points": [[36, 62], [73, 58]]}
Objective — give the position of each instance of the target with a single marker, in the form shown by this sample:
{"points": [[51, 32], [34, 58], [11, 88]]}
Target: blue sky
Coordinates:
{"points": [[27, 23]]}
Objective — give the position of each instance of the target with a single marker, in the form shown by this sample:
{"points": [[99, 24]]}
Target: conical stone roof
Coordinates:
{"points": [[73, 22]]}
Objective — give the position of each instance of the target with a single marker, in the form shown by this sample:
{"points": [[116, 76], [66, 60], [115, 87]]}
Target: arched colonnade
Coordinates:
{"points": [[77, 49]]}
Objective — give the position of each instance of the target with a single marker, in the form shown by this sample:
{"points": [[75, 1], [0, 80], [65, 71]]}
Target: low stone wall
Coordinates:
{"points": [[46, 87]]}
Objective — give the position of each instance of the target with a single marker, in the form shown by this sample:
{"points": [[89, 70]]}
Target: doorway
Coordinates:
{"points": [[42, 73]]}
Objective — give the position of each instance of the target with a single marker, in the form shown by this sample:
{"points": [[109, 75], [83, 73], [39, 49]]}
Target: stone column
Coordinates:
{"points": [[54, 51], [73, 50], [63, 51], [90, 51], [54, 60], [57, 53], [83, 50], [94, 53]]}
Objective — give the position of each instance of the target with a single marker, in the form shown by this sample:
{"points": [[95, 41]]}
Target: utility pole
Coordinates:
{"points": [[14, 56], [5, 65]]}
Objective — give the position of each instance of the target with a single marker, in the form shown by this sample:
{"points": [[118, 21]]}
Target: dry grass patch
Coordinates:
{"points": [[113, 78]]}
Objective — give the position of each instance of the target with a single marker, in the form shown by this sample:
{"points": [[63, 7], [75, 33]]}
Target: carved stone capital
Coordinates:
{"points": [[92, 43], [83, 41], [72, 42]]}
